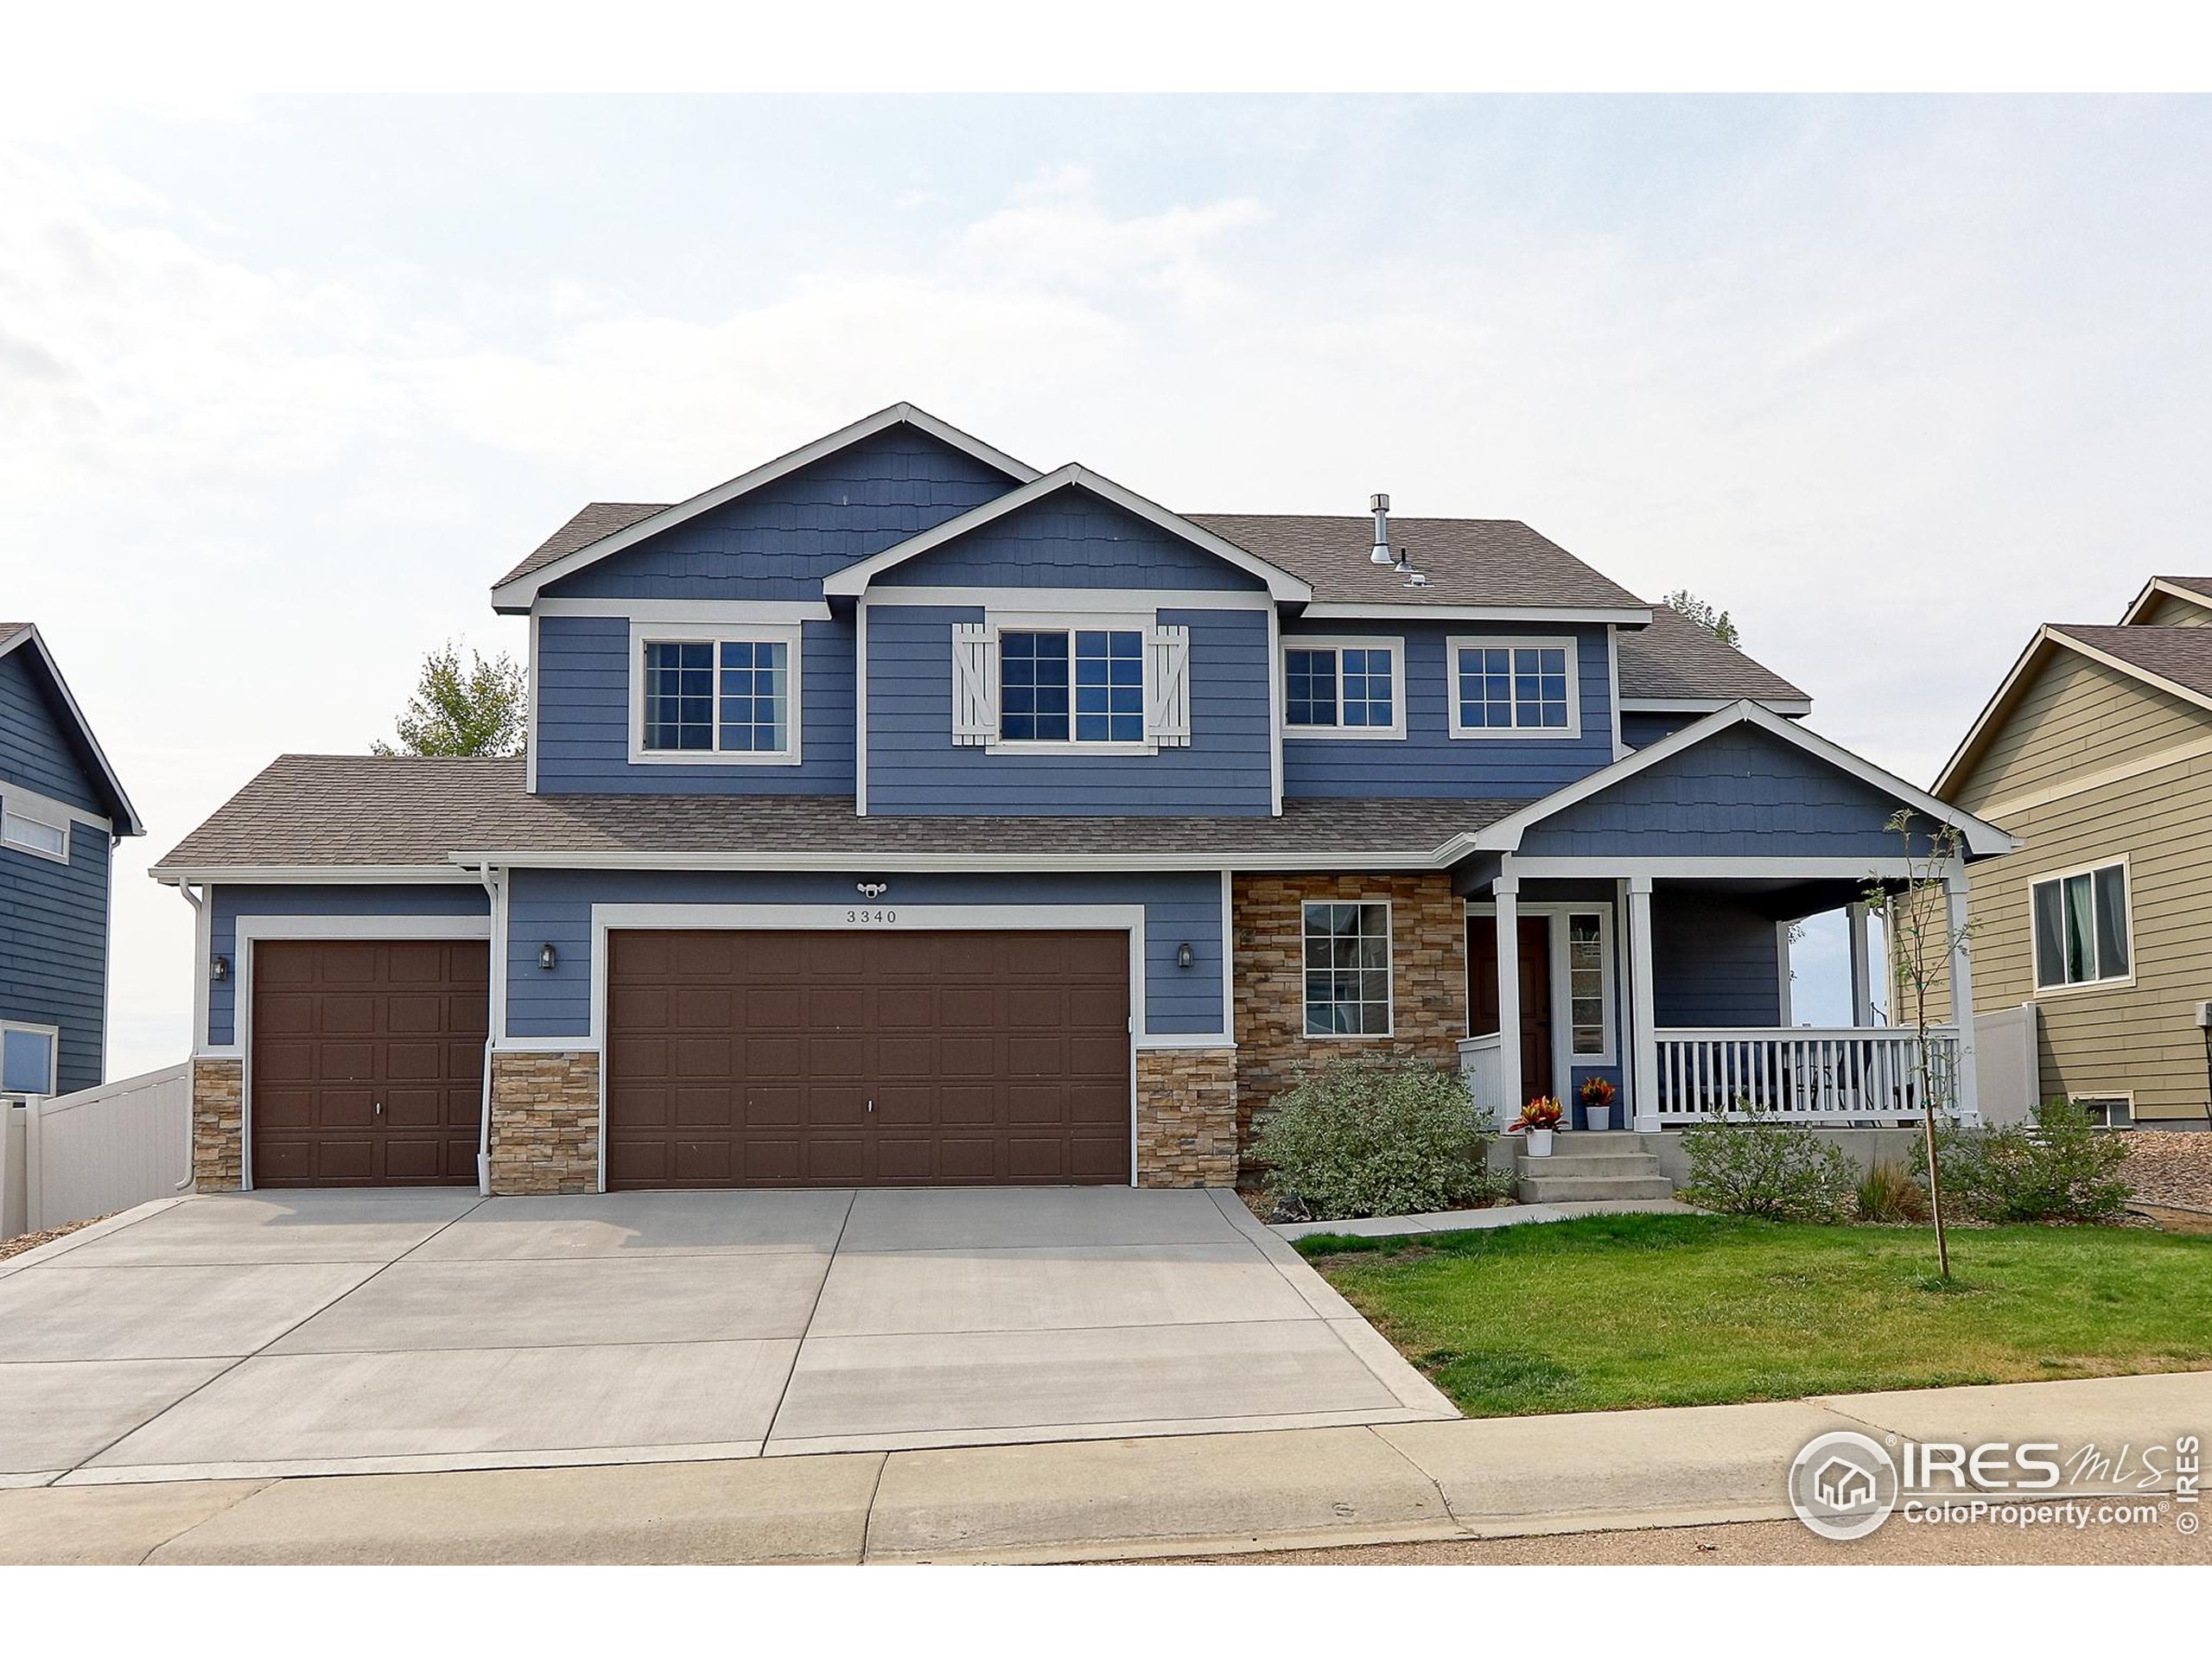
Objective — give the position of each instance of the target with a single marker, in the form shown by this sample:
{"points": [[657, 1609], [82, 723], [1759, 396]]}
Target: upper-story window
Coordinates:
{"points": [[1110, 684], [716, 695], [1342, 688], [1080, 685], [29, 829], [1514, 688], [2081, 927]]}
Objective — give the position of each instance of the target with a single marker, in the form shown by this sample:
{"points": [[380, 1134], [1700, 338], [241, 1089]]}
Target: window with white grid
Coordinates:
{"points": [[1347, 969]]}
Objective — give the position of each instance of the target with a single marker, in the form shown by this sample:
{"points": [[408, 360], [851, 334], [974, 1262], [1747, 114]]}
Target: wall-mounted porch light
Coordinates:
{"points": [[547, 957], [219, 969], [1183, 958]]}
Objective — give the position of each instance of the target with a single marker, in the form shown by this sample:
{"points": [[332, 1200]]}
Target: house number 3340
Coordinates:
{"points": [[872, 918]]}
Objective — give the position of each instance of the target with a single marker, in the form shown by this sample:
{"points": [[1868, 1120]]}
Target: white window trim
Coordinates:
{"points": [[2118, 981], [1389, 975], [790, 634], [2106, 1097], [16, 802], [1564, 1058], [1001, 623], [1457, 642], [11, 814], [1339, 644], [53, 1034]]}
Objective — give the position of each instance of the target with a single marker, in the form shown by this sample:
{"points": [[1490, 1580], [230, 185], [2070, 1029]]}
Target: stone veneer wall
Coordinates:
{"points": [[1429, 979], [218, 1125], [545, 1122], [1186, 1117]]}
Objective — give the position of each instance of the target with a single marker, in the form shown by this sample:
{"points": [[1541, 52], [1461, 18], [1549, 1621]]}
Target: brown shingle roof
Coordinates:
{"points": [[323, 810], [1675, 658], [2201, 585], [1468, 562], [593, 520], [2181, 654]]}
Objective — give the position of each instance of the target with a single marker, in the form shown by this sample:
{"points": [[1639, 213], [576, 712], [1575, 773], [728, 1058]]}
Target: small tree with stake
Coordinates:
{"points": [[1916, 923]]}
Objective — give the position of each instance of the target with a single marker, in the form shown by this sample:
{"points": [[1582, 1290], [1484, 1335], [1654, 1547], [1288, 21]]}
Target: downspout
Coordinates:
{"points": [[494, 1017], [198, 900]]}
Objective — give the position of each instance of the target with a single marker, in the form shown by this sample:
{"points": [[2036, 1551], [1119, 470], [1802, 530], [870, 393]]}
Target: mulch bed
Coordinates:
{"points": [[23, 1242], [2169, 1166]]}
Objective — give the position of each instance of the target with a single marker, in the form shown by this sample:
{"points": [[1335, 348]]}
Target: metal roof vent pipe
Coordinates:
{"points": [[1380, 507]]}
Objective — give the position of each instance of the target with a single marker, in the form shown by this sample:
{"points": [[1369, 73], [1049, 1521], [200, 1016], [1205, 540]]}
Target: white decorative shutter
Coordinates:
{"points": [[1167, 720], [974, 685]]}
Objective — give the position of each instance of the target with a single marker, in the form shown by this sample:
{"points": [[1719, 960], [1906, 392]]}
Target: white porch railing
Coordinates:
{"points": [[1479, 1064], [1804, 1073]]}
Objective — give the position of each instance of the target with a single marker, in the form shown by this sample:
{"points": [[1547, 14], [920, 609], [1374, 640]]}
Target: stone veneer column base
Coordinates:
{"points": [[1186, 1117], [545, 1122], [218, 1125]]}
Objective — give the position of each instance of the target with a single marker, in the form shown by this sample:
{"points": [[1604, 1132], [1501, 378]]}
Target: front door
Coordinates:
{"points": [[1535, 993]]}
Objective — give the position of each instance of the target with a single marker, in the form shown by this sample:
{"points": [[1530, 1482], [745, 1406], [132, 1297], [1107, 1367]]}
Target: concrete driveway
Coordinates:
{"points": [[291, 1333]]}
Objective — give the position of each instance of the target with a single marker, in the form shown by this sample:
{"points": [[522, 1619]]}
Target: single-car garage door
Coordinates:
{"points": [[867, 1058], [368, 1061]]}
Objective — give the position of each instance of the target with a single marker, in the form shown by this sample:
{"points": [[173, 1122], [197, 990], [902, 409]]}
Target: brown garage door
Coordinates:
{"points": [[368, 1061], [867, 1058]]}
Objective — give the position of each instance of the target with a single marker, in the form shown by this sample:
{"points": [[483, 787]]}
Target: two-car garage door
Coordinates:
{"points": [[866, 1057]]}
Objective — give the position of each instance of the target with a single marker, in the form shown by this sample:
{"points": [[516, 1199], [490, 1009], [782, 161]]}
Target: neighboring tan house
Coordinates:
{"points": [[896, 813], [2097, 752], [61, 810]]}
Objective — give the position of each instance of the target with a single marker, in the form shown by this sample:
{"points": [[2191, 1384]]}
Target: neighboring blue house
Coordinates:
{"points": [[62, 811], [898, 813]]}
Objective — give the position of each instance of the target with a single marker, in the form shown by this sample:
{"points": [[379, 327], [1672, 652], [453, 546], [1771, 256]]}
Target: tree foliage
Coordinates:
{"points": [[477, 710], [1744, 1163], [1714, 620]]}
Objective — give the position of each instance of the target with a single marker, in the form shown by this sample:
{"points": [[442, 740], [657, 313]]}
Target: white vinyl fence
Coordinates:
{"points": [[2005, 1052], [67, 1158]]}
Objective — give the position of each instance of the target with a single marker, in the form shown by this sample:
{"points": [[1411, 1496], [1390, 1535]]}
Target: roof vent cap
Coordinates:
{"points": [[1379, 504]]}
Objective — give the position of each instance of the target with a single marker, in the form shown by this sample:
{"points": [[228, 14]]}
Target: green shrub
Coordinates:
{"points": [[1746, 1163], [2062, 1168], [1889, 1192], [1375, 1137]]}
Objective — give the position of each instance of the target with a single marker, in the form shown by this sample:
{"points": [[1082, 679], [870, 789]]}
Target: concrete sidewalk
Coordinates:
{"points": [[1083, 1500], [1498, 1215]]}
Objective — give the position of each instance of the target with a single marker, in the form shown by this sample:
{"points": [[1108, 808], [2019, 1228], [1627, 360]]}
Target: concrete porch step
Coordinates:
{"points": [[1563, 1187], [1595, 1163]]}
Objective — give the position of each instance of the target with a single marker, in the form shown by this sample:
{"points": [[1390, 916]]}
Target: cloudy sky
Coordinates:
{"points": [[285, 384]]}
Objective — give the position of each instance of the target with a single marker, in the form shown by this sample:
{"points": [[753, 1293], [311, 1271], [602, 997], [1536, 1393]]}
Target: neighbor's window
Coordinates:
{"points": [[2080, 924], [726, 696], [1347, 970], [1083, 685], [34, 835], [2109, 1112], [1508, 686], [27, 1061], [1585, 983], [1344, 687]]}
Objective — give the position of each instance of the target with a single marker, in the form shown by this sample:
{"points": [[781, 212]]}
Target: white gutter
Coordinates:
{"points": [[494, 1017]]}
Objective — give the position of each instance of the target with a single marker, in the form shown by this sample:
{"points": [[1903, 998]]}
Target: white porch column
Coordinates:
{"points": [[1507, 891], [1954, 904], [1862, 966], [1643, 1076]]}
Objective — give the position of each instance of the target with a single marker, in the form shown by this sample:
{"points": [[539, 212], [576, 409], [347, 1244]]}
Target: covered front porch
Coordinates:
{"points": [[1647, 911], [1674, 986]]}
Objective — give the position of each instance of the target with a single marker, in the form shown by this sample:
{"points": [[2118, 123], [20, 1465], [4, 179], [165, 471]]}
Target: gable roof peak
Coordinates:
{"points": [[25, 637]]}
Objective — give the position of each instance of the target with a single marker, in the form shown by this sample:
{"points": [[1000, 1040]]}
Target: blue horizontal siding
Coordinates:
{"points": [[37, 749], [1071, 538], [54, 946], [1428, 761], [1740, 792], [231, 903], [914, 766], [1714, 962], [583, 718], [1641, 731], [554, 907], [781, 540]]}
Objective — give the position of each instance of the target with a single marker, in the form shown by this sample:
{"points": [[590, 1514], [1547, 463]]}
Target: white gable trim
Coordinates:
{"points": [[1710, 705], [1954, 768], [1981, 838], [855, 578], [131, 824], [517, 593], [2158, 588]]}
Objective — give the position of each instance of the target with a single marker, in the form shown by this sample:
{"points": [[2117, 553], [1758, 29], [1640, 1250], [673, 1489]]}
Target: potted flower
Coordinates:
{"points": [[1596, 1095], [1537, 1121]]}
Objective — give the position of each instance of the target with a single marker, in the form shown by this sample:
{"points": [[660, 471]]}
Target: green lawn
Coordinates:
{"points": [[1603, 1313]]}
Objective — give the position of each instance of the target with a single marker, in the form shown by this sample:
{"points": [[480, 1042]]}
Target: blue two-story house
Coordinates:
{"points": [[62, 811], [897, 813]]}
